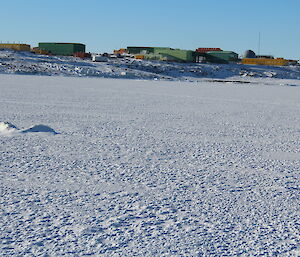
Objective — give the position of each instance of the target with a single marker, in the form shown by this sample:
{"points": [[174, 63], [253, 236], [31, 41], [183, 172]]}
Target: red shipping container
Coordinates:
{"points": [[82, 55]]}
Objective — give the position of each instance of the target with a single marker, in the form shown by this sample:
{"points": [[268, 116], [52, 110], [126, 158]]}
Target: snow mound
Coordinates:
{"points": [[6, 128], [39, 128]]}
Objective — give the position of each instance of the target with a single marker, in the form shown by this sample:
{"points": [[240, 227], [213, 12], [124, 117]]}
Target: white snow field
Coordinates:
{"points": [[112, 167]]}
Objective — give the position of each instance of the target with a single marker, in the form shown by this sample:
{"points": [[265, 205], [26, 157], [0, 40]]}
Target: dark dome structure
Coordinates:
{"points": [[249, 54]]}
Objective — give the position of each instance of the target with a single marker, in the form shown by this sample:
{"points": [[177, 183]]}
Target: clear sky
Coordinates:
{"points": [[104, 25]]}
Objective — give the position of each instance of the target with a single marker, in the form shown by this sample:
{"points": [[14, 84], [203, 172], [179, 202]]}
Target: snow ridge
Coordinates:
{"points": [[28, 63]]}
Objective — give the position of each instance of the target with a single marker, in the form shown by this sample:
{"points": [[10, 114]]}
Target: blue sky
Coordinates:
{"points": [[104, 25]]}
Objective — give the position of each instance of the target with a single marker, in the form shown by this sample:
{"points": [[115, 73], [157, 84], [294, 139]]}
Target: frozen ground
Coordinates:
{"points": [[148, 168], [28, 63]]}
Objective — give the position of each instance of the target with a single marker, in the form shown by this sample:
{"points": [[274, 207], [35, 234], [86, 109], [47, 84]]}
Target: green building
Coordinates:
{"points": [[62, 48], [221, 56], [140, 50], [178, 55], [164, 53]]}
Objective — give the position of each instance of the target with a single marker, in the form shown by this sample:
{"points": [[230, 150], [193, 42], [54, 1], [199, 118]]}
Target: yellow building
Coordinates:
{"points": [[266, 61], [17, 47]]}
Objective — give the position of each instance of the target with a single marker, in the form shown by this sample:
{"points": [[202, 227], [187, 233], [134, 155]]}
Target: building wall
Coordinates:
{"points": [[140, 50], [17, 47], [176, 54], [62, 48], [157, 57], [163, 53], [222, 56], [265, 61]]}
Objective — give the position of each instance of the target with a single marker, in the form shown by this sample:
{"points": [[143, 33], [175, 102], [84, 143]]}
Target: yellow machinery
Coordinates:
{"points": [[265, 61], [121, 51], [39, 51], [17, 47], [139, 56]]}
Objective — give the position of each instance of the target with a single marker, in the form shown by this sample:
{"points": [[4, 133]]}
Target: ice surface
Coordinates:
{"points": [[150, 168]]}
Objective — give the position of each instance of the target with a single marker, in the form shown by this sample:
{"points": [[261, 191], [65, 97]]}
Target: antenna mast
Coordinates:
{"points": [[259, 43]]}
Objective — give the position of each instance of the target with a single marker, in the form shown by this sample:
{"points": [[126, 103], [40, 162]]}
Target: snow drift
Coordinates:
{"points": [[6, 128]]}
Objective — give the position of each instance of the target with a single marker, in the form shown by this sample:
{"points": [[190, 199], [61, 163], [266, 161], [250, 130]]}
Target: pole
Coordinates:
{"points": [[259, 43]]}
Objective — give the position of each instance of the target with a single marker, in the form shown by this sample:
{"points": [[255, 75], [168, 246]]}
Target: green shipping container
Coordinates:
{"points": [[62, 48]]}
